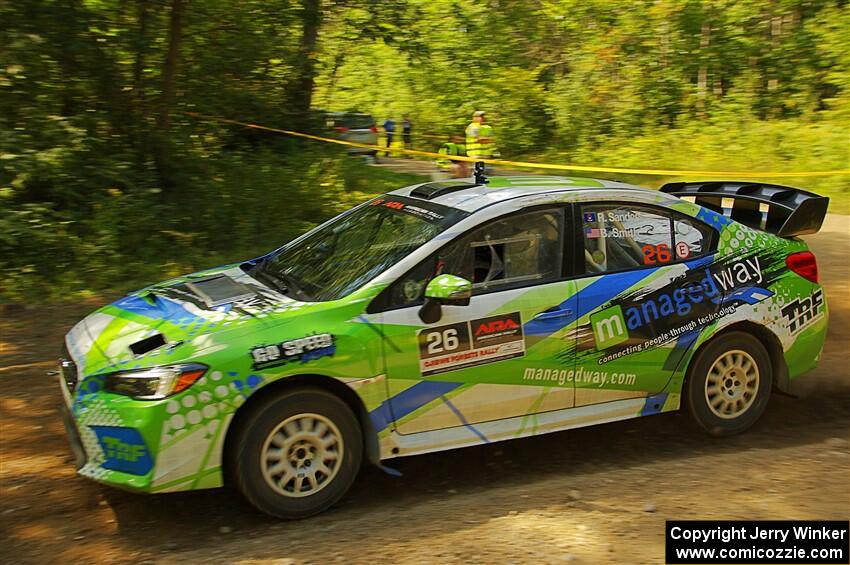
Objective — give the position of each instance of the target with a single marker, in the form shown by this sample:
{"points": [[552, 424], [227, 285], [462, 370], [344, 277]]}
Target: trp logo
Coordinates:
{"points": [[124, 450], [609, 327], [117, 449]]}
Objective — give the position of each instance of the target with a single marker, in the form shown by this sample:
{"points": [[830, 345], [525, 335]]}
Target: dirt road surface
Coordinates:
{"points": [[593, 495]]}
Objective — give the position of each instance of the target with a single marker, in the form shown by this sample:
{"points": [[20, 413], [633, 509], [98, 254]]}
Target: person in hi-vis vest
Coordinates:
{"points": [[479, 137], [445, 163]]}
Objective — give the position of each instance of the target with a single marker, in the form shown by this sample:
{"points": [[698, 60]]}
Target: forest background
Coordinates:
{"points": [[106, 183]]}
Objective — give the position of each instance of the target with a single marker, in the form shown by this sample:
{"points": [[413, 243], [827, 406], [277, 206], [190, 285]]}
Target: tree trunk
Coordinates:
{"points": [[338, 60], [300, 93], [162, 150], [141, 48], [702, 78]]}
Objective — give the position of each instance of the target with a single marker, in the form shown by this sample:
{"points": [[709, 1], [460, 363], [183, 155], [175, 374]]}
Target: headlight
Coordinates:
{"points": [[155, 383]]}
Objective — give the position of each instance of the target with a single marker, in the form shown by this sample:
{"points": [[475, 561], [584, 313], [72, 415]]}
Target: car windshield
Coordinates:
{"points": [[355, 248]]}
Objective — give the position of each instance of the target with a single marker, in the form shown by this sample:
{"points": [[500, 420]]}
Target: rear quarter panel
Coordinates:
{"points": [[792, 308]]}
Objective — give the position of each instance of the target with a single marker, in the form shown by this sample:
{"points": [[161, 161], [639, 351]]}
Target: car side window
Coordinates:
{"points": [[618, 237], [691, 239], [520, 250]]}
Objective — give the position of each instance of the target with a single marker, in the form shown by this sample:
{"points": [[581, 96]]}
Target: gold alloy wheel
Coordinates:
{"points": [[732, 384], [302, 455]]}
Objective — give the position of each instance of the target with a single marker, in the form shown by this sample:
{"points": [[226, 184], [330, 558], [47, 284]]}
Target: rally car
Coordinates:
{"points": [[444, 315]]}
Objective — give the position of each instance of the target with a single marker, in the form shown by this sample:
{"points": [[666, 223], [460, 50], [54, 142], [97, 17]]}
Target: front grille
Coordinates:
{"points": [[69, 370]]}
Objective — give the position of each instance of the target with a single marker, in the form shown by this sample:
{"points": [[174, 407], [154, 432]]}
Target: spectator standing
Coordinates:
{"points": [[479, 137], [446, 164], [389, 130]]}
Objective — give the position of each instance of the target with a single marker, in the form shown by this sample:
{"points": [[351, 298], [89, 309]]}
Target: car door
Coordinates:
{"points": [[498, 357], [646, 292]]}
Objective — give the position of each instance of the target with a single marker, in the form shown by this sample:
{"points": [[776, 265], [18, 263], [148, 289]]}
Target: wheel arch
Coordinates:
{"points": [[324, 382], [768, 338]]}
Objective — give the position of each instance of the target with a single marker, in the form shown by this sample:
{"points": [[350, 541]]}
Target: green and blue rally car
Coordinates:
{"points": [[445, 315]]}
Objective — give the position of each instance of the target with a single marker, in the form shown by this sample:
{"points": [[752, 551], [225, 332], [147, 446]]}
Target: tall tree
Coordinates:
{"points": [[162, 149], [299, 95]]}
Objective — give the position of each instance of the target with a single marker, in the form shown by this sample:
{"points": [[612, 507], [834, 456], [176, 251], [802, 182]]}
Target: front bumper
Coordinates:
{"points": [[97, 435], [74, 439], [165, 445]]}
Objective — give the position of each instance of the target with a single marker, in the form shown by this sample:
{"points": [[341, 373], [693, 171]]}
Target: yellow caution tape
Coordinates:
{"points": [[416, 134], [527, 165]]}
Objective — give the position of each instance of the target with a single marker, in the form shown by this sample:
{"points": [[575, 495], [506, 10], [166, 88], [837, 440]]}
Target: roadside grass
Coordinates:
{"points": [[734, 144], [241, 205]]}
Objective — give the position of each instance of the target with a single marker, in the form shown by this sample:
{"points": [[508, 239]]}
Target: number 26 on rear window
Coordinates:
{"points": [[654, 254]]}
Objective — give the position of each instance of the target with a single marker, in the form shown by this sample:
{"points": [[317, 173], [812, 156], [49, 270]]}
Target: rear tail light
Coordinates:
{"points": [[341, 129], [804, 264], [373, 129]]}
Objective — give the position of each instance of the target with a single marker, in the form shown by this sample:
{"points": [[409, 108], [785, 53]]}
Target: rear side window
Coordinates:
{"points": [[691, 239], [619, 237]]}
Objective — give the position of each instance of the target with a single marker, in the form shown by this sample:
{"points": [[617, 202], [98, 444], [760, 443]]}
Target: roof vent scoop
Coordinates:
{"points": [[432, 190]]}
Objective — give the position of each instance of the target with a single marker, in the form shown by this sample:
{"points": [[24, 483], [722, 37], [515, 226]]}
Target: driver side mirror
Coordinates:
{"points": [[444, 289]]}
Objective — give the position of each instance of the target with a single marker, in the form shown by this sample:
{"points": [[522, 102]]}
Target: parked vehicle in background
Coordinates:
{"points": [[355, 127]]}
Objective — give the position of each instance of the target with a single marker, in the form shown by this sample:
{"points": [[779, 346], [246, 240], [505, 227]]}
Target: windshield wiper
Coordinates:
{"points": [[290, 284], [277, 280], [260, 273]]}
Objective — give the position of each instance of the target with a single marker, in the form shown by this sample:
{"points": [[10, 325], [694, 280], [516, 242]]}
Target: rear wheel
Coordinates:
{"points": [[729, 384], [298, 453]]}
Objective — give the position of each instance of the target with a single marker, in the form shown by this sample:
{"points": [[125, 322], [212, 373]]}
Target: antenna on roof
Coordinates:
{"points": [[478, 173]]}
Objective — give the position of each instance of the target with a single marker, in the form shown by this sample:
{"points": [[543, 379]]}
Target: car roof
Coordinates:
{"points": [[465, 195]]}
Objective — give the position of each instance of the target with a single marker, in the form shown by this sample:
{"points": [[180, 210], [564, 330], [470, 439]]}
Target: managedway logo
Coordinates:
{"points": [[612, 325], [609, 327]]}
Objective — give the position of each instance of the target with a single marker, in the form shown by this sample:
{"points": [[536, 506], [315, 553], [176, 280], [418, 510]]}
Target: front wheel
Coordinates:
{"points": [[298, 453], [729, 384]]}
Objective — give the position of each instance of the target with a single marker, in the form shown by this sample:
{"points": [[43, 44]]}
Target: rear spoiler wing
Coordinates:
{"points": [[790, 211]]}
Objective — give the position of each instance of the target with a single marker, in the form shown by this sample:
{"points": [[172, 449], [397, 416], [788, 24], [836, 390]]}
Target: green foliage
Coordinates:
{"points": [[241, 204], [568, 74], [105, 182], [725, 144]]}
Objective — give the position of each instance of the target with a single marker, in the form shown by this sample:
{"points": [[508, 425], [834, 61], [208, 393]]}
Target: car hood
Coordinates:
{"points": [[177, 320]]}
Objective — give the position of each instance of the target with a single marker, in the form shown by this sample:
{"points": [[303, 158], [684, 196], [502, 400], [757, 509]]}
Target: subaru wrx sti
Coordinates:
{"points": [[446, 315]]}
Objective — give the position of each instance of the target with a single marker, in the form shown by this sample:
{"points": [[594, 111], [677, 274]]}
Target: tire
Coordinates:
{"points": [[729, 384], [297, 453]]}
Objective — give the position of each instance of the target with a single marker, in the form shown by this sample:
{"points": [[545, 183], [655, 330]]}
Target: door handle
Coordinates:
{"points": [[552, 314]]}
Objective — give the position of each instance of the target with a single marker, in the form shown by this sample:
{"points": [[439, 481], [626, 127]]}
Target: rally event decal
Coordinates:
{"points": [[418, 211], [467, 344], [802, 312], [302, 349]]}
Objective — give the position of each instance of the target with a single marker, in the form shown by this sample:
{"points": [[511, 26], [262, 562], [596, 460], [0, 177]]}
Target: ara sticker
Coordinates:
{"points": [[302, 349], [467, 344]]}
